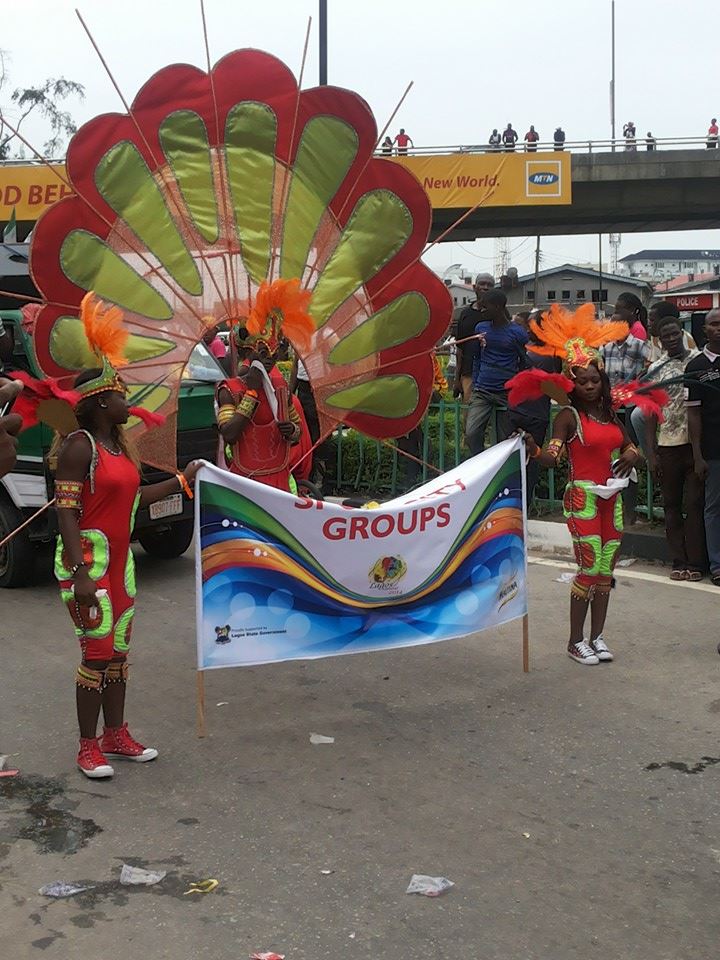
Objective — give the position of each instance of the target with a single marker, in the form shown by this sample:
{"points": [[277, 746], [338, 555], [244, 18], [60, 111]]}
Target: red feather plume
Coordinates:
{"points": [[534, 384], [646, 397]]}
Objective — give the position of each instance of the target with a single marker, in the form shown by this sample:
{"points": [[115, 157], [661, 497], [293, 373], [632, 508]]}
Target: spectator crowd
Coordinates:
{"points": [[682, 452]]}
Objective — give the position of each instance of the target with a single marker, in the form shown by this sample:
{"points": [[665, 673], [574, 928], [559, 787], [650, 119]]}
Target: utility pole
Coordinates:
{"points": [[612, 75], [600, 277], [537, 271], [322, 30]]}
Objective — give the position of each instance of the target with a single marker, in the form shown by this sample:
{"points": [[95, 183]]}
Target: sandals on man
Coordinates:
{"points": [[693, 576]]}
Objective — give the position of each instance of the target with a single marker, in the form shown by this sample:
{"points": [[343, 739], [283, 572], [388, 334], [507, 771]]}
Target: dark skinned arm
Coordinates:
{"points": [[158, 491], [74, 464], [292, 385], [233, 429], [695, 430], [563, 429]]}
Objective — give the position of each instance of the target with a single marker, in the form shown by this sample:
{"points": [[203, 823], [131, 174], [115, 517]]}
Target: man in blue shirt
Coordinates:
{"points": [[500, 356]]}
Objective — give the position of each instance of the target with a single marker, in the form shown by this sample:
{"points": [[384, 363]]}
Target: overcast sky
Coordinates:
{"points": [[476, 64]]}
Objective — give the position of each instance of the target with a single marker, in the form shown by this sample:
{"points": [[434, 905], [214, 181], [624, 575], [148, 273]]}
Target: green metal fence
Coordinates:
{"points": [[362, 465]]}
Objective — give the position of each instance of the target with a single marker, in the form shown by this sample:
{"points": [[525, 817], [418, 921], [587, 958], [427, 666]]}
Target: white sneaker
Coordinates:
{"points": [[600, 648], [581, 652]]}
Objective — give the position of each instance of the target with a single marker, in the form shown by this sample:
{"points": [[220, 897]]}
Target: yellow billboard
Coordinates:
{"points": [[458, 180], [29, 189], [462, 180]]}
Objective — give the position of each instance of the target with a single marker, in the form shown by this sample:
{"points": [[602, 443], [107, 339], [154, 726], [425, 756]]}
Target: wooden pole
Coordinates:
{"points": [[526, 643], [201, 730]]}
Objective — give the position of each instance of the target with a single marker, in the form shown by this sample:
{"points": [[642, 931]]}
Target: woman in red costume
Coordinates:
{"points": [[263, 428], [97, 494], [601, 458]]}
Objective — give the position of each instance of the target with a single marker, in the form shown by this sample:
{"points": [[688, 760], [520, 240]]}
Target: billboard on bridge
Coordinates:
{"points": [[457, 180], [461, 180]]}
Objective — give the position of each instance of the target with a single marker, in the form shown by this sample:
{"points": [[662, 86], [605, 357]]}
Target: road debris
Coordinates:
{"points": [[428, 886], [136, 876], [61, 889]]}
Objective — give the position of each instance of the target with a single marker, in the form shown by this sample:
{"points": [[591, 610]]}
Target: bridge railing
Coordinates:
{"points": [[572, 146]]}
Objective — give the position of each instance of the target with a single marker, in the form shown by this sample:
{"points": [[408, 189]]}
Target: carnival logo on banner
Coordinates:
{"points": [[283, 578]]}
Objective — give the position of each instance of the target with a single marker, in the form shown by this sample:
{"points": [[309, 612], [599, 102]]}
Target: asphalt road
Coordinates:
{"points": [[575, 808]]}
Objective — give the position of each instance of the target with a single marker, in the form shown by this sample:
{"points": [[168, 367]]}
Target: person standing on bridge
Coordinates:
{"points": [[531, 139], [559, 138], [509, 138], [712, 138], [495, 140], [650, 142], [402, 140], [703, 403], [629, 133]]}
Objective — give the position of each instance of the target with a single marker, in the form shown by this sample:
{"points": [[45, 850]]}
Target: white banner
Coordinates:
{"points": [[283, 578]]}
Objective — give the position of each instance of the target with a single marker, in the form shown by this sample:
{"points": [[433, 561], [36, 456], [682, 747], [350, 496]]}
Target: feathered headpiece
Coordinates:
{"points": [[281, 308], [49, 401], [575, 337], [107, 339]]}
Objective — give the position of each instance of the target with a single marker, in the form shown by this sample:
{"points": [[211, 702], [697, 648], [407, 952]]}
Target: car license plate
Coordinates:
{"points": [[169, 507]]}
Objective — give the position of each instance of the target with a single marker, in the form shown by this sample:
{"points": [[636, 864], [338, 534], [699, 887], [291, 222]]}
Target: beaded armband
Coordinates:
{"points": [[68, 494], [225, 414], [246, 407], [554, 448]]}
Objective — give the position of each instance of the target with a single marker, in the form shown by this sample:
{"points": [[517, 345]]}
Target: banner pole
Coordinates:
{"points": [[526, 643], [201, 730]]}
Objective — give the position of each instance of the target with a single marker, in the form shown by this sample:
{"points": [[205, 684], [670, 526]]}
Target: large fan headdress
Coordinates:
{"points": [[190, 208]]}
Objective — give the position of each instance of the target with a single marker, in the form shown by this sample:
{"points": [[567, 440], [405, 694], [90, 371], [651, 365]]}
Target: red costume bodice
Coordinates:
{"points": [[591, 459]]}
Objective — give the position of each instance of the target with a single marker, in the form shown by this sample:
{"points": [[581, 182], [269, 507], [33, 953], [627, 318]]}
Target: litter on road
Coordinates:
{"points": [[319, 738], [202, 886], [428, 886], [136, 876], [61, 889]]}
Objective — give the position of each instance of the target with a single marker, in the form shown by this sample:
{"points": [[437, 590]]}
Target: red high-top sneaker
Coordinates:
{"points": [[118, 744], [91, 759]]}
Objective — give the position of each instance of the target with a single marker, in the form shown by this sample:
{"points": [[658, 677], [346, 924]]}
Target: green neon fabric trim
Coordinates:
{"points": [[250, 132], [395, 323], [121, 641], [326, 151], [607, 560], [391, 397], [596, 544], [100, 555], [184, 140], [130, 584], [69, 346], [125, 182], [91, 264], [589, 511], [133, 512], [378, 228], [618, 515], [106, 623]]}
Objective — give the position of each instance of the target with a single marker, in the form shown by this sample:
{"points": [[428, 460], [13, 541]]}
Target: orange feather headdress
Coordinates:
{"points": [[281, 307], [107, 339], [576, 336]]}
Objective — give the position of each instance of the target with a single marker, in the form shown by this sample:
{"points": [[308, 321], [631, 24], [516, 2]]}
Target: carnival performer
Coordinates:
{"points": [[262, 426], [97, 494], [601, 458]]}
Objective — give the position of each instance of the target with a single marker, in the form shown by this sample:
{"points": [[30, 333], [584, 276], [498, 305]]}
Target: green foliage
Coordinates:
{"points": [[43, 100]]}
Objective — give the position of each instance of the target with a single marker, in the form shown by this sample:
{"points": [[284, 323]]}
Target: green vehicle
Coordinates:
{"points": [[165, 529]]}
